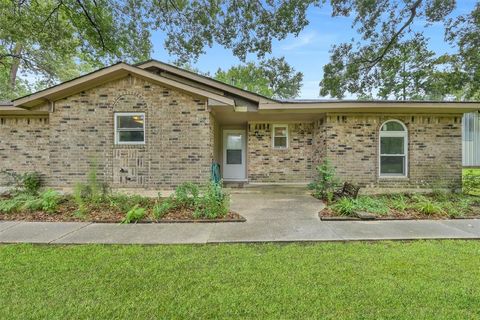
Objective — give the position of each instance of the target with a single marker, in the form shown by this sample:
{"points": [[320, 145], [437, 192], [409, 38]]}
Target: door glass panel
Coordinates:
{"points": [[392, 145], [234, 156], [392, 165], [234, 141]]}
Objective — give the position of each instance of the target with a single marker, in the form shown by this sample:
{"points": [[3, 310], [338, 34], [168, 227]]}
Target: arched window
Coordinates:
{"points": [[393, 149]]}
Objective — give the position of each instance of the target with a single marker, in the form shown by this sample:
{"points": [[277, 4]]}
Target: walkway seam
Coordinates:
{"points": [[69, 233], [13, 225]]}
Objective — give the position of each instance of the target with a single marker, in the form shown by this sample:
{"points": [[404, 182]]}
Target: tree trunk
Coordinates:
{"points": [[17, 51]]}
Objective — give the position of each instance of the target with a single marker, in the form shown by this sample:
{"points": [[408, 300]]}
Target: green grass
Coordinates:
{"points": [[387, 280]]}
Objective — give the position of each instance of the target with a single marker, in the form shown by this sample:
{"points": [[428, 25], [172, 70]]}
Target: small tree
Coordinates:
{"points": [[326, 182]]}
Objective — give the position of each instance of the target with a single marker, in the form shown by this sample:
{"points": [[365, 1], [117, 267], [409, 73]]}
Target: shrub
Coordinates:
{"points": [[213, 204], [50, 200], [162, 208], [31, 182], [14, 204], [186, 194], [399, 202], [471, 181], [124, 202], [345, 207], [47, 201], [134, 214], [427, 206], [79, 199], [28, 182], [325, 184]]}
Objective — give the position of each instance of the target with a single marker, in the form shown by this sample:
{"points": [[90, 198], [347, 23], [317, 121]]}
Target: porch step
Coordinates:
{"points": [[294, 189]]}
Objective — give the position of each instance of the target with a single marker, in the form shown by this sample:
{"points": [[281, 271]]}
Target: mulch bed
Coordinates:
{"points": [[104, 213], [329, 215]]}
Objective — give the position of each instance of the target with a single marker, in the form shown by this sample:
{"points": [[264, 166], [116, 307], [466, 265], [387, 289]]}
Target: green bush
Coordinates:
{"points": [[187, 194], [162, 208], [471, 181], [135, 214], [31, 182], [28, 182], [399, 202], [50, 200], [124, 202], [325, 184], [427, 206], [15, 204], [345, 207], [213, 204], [47, 201]]}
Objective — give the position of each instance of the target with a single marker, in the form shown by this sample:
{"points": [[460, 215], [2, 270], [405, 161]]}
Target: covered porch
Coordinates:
{"points": [[258, 147]]}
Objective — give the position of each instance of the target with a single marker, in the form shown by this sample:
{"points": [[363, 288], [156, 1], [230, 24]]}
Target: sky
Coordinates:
{"points": [[308, 52]]}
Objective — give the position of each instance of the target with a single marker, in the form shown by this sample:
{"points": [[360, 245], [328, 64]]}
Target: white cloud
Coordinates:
{"points": [[300, 41]]}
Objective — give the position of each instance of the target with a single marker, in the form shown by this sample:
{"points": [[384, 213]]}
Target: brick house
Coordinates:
{"points": [[154, 126]]}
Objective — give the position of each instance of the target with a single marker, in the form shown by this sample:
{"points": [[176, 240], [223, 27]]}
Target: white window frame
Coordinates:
{"points": [[117, 130], [401, 134], [273, 136]]}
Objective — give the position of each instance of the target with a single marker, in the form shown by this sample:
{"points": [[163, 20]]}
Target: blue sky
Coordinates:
{"points": [[308, 52]]}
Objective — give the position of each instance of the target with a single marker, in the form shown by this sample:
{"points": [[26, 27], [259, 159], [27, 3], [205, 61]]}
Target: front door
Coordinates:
{"points": [[233, 155]]}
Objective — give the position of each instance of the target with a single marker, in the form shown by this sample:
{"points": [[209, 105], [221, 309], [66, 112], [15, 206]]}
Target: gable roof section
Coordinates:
{"points": [[168, 68], [107, 74]]}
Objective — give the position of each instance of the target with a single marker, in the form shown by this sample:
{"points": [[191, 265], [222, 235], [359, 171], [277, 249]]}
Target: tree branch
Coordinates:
{"points": [[95, 26], [413, 13]]}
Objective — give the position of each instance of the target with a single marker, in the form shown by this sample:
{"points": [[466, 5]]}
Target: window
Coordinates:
{"points": [[130, 128], [393, 149], [280, 136]]}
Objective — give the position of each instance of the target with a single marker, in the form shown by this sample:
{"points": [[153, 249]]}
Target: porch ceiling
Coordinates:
{"points": [[230, 117]]}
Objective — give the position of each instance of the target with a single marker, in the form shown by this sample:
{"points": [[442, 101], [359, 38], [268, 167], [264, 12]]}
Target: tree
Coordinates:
{"points": [[51, 38], [390, 55], [273, 78], [56, 40]]}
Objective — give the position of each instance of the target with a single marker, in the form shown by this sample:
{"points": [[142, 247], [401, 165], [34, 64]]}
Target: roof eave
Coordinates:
{"points": [[101, 76]]}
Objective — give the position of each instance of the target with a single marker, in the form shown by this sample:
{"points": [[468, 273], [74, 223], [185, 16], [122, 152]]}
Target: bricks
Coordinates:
{"points": [[266, 164], [81, 132], [434, 149]]}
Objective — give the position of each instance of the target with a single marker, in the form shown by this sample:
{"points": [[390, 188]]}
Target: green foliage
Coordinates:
{"points": [[28, 182], [186, 194], [47, 201], [50, 200], [57, 40], [162, 208], [273, 78], [325, 184], [80, 200], [471, 181], [31, 182], [345, 206], [349, 206], [93, 192], [125, 202], [135, 214], [213, 204], [399, 202], [390, 56]]}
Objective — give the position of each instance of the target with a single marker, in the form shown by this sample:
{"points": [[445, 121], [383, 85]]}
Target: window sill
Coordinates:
{"points": [[393, 178]]}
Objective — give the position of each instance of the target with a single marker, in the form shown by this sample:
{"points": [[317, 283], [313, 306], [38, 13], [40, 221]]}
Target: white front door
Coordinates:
{"points": [[233, 155]]}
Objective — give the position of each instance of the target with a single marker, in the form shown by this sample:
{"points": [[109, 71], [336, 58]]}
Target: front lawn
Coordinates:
{"points": [[388, 280]]}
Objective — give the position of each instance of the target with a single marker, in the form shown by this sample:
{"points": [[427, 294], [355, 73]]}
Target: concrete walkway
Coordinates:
{"points": [[270, 217]]}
